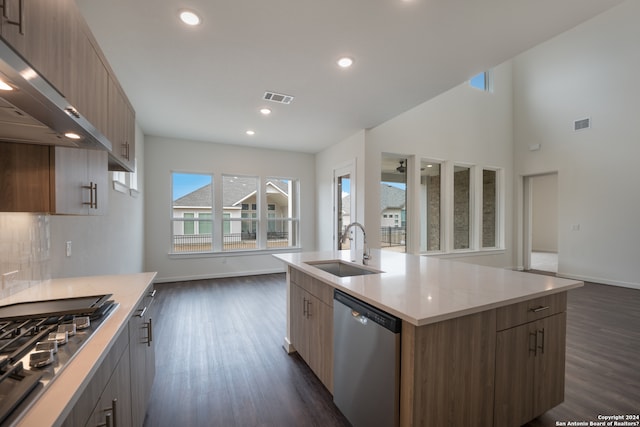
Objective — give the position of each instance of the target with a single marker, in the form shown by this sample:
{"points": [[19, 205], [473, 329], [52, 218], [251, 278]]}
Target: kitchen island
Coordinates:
{"points": [[74, 393], [479, 345]]}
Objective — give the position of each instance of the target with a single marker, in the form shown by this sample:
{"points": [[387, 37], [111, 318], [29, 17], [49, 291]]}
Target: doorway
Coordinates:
{"points": [[393, 203], [344, 203], [541, 222]]}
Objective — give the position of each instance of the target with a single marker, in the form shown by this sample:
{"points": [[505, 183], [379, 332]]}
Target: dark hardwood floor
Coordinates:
{"points": [[220, 361]]}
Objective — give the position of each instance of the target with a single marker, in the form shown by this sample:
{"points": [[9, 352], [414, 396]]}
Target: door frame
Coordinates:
{"points": [[346, 168]]}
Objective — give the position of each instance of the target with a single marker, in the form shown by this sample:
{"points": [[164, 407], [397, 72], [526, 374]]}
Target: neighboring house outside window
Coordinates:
{"points": [[241, 217], [393, 209]]}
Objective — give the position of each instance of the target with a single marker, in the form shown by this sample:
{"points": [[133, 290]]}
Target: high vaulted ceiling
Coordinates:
{"points": [[206, 83]]}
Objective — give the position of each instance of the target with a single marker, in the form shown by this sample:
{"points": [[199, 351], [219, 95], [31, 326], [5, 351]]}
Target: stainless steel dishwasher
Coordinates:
{"points": [[366, 362]]}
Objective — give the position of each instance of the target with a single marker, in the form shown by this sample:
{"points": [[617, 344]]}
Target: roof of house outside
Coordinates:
{"points": [[391, 197], [235, 190]]}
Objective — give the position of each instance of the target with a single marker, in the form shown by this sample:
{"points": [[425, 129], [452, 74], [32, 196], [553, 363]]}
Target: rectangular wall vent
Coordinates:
{"points": [[278, 97], [582, 124]]}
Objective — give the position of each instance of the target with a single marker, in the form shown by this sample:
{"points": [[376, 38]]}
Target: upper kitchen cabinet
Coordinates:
{"points": [[121, 130], [79, 182], [58, 180], [52, 37], [89, 87], [41, 30], [24, 178]]}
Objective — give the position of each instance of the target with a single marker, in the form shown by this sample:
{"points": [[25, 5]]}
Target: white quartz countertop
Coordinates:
{"points": [[128, 290], [423, 290]]}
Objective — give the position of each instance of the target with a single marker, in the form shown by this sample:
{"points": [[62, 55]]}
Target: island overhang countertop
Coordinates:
{"points": [[422, 290]]}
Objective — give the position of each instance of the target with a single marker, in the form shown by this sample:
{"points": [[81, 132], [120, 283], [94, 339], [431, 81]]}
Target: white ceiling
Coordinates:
{"points": [[207, 83]]}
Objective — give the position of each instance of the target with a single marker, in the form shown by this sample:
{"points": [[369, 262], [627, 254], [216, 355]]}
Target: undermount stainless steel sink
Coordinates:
{"points": [[342, 269]]}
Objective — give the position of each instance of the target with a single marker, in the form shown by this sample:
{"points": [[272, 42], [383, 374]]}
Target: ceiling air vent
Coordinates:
{"points": [[581, 124], [278, 97]]}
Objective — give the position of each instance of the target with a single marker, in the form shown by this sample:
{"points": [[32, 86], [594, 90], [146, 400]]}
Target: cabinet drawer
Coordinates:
{"points": [[528, 311], [315, 287]]}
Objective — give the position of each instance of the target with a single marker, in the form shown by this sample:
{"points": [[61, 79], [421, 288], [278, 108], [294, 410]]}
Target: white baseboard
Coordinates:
{"points": [[600, 280], [218, 276], [288, 347]]}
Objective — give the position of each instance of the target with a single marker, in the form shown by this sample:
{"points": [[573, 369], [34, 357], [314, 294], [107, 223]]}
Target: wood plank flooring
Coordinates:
{"points": [[220, 360]]}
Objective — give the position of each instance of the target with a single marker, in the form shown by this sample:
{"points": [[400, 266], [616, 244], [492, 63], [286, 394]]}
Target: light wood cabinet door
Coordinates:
{"points": [[89, 78], [312, 333], [121, 128], [299, 338], [142, 357], [530, 363], [320, 330], [80, 181], [114, 406], [44, 37], [550, 363]]}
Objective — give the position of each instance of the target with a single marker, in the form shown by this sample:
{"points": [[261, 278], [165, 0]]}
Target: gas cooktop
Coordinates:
{"points": [[37, 340]]}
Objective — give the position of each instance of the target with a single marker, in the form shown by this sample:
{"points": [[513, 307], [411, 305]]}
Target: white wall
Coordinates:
{"points": [[590, 71], [109, 244], [351, 150], [164, 155], [544, 215], [461, 125]]}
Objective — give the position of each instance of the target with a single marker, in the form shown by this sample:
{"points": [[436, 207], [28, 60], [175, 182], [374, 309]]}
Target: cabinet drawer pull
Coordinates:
{"points": [[93, 194], [541, 346], [149, 333], [152, 293], [539, 309], [142, 312], [533, 339]]}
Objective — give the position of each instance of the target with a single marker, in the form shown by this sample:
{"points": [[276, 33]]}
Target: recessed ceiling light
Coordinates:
{"points": [[345, 62], [4, 85], [265, 111], [189, 17], [72, 135], [429, 166], [251, 132]]}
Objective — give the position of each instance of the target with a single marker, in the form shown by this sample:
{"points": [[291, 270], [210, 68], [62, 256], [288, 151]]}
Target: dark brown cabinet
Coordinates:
{"points": [[59, 180]]}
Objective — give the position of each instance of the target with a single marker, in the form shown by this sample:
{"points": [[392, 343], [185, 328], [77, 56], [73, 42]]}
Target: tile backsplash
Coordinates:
{"points": [[24, 251]]}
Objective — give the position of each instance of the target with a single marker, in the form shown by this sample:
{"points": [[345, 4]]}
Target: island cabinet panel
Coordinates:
{"points": [[448, 372], [311, 321], [530, 368]]}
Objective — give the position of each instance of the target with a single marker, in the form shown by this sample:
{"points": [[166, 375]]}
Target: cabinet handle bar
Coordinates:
{"points": [[539, 309]]}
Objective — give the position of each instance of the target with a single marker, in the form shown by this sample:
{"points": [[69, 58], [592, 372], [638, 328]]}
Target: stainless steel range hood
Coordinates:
{"points": [[35, 112]]}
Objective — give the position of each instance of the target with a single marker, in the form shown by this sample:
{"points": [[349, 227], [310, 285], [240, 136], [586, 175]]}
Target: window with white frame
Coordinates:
{"points": [[282, 212], [461, 207], [430, 206], [258, 213], [482, 81], [191, 212], [490, 208]]}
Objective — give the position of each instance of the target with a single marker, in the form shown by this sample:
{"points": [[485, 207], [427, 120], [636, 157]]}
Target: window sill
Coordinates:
{"points": [[466, 253], [247, 252]]}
